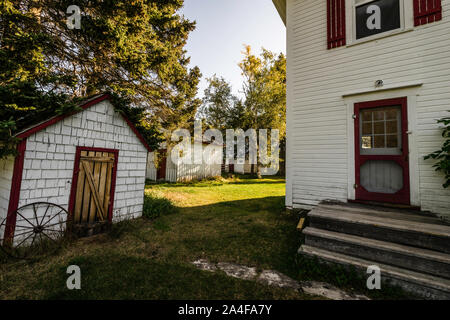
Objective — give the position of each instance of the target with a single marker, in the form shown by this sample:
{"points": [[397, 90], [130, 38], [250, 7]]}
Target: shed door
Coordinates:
{"points": [[162, 165], [94, 183], [382, 169]]}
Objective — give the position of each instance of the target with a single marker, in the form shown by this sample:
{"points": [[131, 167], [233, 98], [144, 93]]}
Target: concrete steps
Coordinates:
{"points": [[424, 285], [413, 248], [431, 262]]}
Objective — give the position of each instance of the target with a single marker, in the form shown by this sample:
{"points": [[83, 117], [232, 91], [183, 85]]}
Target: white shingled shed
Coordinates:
{"points": [[92, 163]]}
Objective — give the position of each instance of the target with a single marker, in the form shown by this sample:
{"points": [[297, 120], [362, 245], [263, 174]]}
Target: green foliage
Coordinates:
{"points": [[264, 102], [264, 106], [443, 155], [219, 108], [8, 142], [148, 126], [155, 207], [134, 49]]}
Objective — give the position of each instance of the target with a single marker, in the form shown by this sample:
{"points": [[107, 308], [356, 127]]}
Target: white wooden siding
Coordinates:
{"points": [[151, 169], [184, 172], [318, 165], [50, 154], [171, 170]]}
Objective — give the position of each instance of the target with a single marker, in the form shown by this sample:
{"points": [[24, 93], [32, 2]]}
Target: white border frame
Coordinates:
{"points": [[406, 22], [411, 93]]}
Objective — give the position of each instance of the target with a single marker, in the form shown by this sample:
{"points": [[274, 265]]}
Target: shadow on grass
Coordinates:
{"points": [[113, 276], [152, 259]]}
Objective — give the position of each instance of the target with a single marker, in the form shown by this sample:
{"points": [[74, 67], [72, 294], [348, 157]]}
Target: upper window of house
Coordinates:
{"points": [[376, 17]]}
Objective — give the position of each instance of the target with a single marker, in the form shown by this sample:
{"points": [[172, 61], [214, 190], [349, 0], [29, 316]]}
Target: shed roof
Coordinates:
{"points": [[91, 101]]}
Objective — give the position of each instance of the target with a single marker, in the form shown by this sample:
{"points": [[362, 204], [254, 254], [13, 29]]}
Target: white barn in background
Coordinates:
{"points": [[177, 171], [366, 82], [91, 163]]}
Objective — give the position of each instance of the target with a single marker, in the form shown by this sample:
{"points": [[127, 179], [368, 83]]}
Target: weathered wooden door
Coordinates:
{"points": [[381, 151], [92, 193]]}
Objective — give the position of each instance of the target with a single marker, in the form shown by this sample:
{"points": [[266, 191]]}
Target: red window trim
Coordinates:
{"points": [[76, 170], [336, 29], [427, 11], [404, 195]]}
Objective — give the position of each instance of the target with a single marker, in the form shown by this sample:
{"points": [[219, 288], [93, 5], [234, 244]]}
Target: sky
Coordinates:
{"points": [[223, 27]]}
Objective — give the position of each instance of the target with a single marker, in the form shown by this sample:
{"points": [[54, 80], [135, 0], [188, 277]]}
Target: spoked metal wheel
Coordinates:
{"points": [[39, 230]]}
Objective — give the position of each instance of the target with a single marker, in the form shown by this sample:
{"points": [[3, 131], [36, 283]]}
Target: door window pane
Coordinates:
{"points": [[379, 142], [378, 115], [380, 128], [367, 128], [392, 141], [391, 127]]}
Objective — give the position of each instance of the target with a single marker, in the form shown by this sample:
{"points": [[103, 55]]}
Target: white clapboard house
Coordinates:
{"points": [[366, 82], [90, 163]]}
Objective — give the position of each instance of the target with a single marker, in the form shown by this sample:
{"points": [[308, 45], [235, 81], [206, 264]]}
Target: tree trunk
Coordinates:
{"points": [[258, 172]]}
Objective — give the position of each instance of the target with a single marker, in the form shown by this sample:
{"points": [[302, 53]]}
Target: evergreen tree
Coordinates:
{"points": [[220, 108], [133, 49]]}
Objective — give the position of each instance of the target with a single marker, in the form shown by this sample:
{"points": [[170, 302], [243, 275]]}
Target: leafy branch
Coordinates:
{"points": [[443, 155]]}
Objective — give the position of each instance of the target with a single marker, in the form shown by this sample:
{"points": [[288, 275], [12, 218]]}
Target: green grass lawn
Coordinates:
{"points": [[235, 220], [225, 220]]}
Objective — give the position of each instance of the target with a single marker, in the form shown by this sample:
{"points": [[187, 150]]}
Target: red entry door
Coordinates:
{"points": [[161, 172], [381, 151]]}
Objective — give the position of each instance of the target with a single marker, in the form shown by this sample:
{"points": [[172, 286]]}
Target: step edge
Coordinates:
{"points": [[352, 210], [379, 244], [375, 221], [432, 282]]}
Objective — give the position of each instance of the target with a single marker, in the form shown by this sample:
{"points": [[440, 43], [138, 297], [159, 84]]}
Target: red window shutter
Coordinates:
{"points": [[426, 11], [335, 23]]}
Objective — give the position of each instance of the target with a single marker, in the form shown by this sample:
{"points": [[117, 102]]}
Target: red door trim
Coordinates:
{"points": [[16, 185], [76, 171], [403, 196]]}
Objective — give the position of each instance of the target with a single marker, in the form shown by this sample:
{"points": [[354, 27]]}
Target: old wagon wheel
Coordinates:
{"points": [[39, 229]]}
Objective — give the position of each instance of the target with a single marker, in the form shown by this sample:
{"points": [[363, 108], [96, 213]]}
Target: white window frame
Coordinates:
{"points": [[406, 21]]}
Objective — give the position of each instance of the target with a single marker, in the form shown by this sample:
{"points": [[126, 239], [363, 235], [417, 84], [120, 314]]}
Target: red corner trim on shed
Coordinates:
{"points": [[14, 195], [28, 132]]}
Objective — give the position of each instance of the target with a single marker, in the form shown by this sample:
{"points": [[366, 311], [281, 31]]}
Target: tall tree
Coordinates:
{"points": [[263, 105], [134, 49], [220, 108], [265, 90]]}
